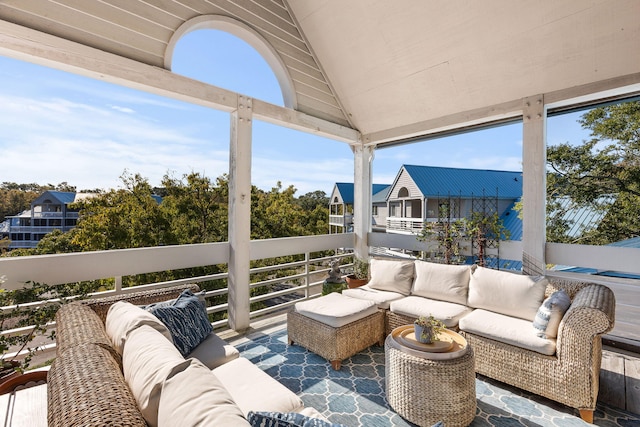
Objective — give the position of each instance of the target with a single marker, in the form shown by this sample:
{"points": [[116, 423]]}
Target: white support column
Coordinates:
{"points": [[534, 155], [362, 156], [240, 213]]}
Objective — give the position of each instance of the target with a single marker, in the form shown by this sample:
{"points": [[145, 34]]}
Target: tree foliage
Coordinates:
{"points": [[604, 167]]}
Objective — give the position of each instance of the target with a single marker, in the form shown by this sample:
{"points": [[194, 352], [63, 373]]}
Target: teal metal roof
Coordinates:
{"points": [[440, 181], [511, 222], [346, 191], [63, 197], [380, 192], [582, 219]]}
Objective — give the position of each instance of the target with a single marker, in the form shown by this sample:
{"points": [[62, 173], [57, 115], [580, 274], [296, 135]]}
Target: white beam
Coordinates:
{"points": [[44, 49], [300, 121], [534, 155], [363, 156], [240, 214]]}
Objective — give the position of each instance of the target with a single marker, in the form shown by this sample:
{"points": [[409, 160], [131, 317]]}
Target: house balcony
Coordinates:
{"points": [[341, 220], [54, 215], [290, 282]]}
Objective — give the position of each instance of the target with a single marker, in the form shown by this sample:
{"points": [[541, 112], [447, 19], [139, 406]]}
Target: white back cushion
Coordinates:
{"points": [[442, 282], [506, 293], [123, 317], [391, 275], [147, 361]]}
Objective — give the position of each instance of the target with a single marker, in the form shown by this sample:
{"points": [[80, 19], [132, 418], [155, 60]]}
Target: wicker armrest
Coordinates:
{"points": [[592, 313]]}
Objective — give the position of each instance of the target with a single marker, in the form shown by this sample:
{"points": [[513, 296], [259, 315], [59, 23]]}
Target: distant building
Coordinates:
{"points": [[419, 194], [341, 207], [50, 211]]}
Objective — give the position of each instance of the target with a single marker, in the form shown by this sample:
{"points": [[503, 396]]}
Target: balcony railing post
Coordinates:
{"points": [[306, 274], [240, 214]]}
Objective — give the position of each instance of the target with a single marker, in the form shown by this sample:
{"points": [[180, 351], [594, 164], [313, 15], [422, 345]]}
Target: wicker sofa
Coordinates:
{"points": [[563, 368], [87, 386]]}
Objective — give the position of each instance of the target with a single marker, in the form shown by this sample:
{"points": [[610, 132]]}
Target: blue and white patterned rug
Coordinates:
{"points": [[355, 396]]}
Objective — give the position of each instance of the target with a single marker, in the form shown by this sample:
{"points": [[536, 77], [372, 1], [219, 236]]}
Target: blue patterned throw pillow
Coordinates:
{"points": [[187, 320], [289, 419], [550, 314]]}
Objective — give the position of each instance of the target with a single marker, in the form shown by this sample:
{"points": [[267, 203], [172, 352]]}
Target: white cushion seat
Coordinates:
{"points": [[336, 310], [214, 351], [252, 389], [448, 313], [195, 397], [507, 329], [382, 299]]}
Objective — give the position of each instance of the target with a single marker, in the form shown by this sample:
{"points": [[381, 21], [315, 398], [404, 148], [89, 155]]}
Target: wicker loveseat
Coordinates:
{"points": [[564, 368], [212, 385]]}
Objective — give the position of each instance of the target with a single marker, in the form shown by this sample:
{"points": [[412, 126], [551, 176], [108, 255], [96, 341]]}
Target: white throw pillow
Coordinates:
{"points": [[550, 313], [506, 293], [147, 361], [442, 282], [123, 317], [391, 275], [195, 397]]}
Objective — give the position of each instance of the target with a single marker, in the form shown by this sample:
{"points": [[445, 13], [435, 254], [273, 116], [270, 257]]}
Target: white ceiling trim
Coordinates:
{"points": [[584, 94]]}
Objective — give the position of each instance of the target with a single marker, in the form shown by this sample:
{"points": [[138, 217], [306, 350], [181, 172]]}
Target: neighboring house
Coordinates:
{"points": [[48, 212], [420, 193], [341, 207]]}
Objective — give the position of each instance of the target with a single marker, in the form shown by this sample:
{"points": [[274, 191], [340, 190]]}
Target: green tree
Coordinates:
{"points": [[605, 166], [126, 218], [197, 208]]}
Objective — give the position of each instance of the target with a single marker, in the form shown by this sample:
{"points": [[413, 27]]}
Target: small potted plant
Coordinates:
{"points": [[360, 274], [426, 329]]}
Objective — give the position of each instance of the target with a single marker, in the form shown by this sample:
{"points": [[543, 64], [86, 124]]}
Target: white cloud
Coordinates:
{"points": [[123, 109], [55, 140]]}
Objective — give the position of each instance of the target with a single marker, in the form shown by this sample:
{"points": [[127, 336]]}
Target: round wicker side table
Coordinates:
{"points": [[425, 391]]}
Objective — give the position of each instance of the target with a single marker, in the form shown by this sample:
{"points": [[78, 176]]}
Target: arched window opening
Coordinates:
{"points": [[403, 192], [216, 50]]}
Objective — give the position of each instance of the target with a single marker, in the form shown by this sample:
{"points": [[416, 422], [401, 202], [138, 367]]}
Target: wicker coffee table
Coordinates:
{"points": [[425, 387]]}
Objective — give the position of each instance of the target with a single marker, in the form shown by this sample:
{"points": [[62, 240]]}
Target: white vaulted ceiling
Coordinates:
{"points": [[388, 69]]}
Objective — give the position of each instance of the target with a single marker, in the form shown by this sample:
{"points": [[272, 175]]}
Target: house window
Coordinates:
{"points": [[403, 192], [374, 210]]}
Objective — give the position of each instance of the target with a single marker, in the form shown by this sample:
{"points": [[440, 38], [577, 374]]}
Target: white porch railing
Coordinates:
{"points": [[69, 268], [308, 273]]}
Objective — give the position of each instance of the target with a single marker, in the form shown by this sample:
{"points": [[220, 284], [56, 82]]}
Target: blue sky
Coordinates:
{"points": [[61, 127]]}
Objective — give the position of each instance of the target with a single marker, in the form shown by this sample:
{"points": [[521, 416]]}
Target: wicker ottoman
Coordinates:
{"points": [[425, 391], [335, 326]]}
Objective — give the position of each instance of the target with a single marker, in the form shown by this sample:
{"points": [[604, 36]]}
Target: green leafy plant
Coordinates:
{"points": [[482, 227], [27, 312], [430, 323], [448, 235], [360, 269]]}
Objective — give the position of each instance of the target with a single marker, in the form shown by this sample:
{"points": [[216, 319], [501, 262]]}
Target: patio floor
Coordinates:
{"points": [[355, 395]]}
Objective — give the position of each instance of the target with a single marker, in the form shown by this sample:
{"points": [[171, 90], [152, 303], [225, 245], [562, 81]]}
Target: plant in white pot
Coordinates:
{"points": [[426, 329]]}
